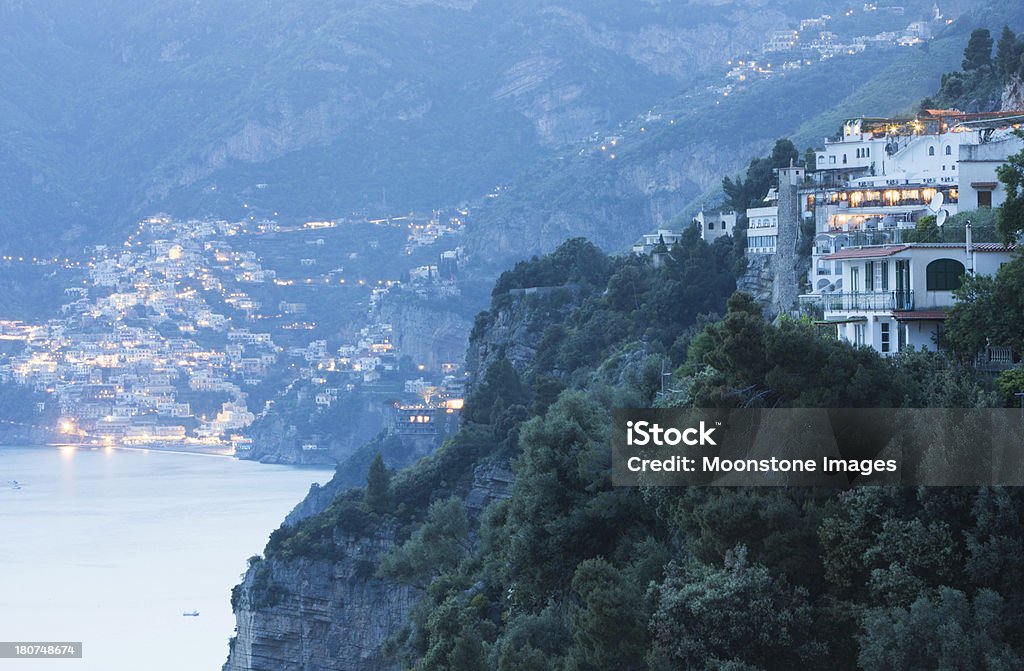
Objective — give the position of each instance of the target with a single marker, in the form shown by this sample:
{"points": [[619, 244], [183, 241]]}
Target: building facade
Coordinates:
{"points": [[895, 296]]}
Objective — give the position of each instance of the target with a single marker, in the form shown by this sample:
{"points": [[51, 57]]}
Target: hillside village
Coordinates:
{"points": [[814, 39], [191, 331], [898, 210]]}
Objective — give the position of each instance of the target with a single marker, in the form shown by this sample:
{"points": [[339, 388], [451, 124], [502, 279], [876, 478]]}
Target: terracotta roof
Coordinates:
{"points": [[865, 252], [920, 315]]}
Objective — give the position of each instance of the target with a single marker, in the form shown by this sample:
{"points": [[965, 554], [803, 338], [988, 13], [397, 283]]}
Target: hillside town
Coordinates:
{"points": [[815, 39], [188, 333], [898, 209]]}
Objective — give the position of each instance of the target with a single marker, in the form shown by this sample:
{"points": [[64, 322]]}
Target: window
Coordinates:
{"points": [[858, 334], [868, 152], [984, 199], [832, 160], [944, 275], [880, 281], [949, 150], [711, 225], [869, 276], [885, 336], [931, 151], [855, 279], [844, 159]]}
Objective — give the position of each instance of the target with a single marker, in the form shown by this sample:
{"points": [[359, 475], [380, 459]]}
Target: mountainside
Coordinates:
{"points": [[311, 108], [509, 547], [663, 165]]}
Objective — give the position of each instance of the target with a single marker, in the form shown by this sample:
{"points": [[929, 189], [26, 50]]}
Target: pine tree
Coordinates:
{"points": [[978, 54], [378, 480]]}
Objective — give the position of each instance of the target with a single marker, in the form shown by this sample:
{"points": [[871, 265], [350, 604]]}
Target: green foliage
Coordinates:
{"points": [[576, 261], [1010, 222], [978, 86], [750, 191], [746, 362], [1009, 62], [925, 231], [1010, 383], [569, 572], [608, 624], [978, 52], [709, 617], [972, 634], [989, 310], [436, 547], [378, 480]]}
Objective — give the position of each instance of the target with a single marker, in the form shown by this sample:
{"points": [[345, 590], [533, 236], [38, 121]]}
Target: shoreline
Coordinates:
{"points": [[220, 452]]}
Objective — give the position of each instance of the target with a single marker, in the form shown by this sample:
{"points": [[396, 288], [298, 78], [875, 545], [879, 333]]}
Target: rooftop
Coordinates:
{"points": [[880, 251]]}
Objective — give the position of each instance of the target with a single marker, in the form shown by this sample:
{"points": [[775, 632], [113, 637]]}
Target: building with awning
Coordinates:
{"points": [[896, 296]]}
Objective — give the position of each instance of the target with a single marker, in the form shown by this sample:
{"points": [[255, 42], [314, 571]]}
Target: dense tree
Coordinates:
{"points": [[978, 53], [742, 193], [1010, 222], [378, 480], [945, 631], [744, 362], [436, 547], [989, 311], [1008, 55], [737, 616], [608, 624]]}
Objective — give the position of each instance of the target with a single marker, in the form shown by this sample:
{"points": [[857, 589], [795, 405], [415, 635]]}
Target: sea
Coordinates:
{"points": [[109, 547]]}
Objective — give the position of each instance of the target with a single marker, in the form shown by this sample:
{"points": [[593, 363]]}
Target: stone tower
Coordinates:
{"points": [[785, 263]]}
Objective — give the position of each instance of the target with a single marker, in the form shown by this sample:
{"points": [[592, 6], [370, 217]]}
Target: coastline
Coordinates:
{"points": [[169, 449]]}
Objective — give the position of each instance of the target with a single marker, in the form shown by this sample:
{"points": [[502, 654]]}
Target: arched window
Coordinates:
{"points": [[711, 225], [949, 150], [944, 275], [931, 151]]}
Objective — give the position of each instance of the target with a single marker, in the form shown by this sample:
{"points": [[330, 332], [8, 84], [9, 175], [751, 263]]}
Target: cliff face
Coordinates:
{"points": [[514, 330], [430, 333], [1013, 95], [278, 439], [301, 614]]}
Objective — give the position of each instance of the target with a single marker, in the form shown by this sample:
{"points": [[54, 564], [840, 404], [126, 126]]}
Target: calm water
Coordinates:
{"points": [[110, 547]]}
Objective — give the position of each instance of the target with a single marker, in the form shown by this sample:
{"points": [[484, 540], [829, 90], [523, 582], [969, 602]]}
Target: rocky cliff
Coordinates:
{"points": [[279, 437], [513, 328], [299, 614], [430, 332], [319, 614]]}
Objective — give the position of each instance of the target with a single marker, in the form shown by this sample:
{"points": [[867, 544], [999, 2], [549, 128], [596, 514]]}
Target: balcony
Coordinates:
{"points": [[869, 301]]}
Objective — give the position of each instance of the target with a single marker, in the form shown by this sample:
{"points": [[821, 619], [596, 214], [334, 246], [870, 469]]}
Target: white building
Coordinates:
{"points": [[896, 295], [713, 225], [763, 226], [979, 186], [882, 175], [650, 241]]}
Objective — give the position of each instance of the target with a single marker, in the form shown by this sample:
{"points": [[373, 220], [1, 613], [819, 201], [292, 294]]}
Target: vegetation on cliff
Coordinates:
{"points": [[570, 572]]}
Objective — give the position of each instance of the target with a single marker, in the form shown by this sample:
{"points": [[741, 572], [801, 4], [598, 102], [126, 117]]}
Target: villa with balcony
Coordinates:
{"points": [[894, 296]]}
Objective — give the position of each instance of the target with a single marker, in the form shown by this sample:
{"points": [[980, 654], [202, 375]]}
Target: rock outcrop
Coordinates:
{"points": [[303, 614]]}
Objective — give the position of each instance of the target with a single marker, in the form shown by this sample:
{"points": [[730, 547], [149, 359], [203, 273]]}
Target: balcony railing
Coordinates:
{"points": [[882, 236], [869, 301]]}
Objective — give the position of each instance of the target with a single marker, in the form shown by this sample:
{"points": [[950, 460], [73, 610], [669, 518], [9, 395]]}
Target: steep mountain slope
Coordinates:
{"points": [[664, 162], [307, 108]]}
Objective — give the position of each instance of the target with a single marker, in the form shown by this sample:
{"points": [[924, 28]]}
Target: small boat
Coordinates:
{"points": [[190, 613], [14, 484]]}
